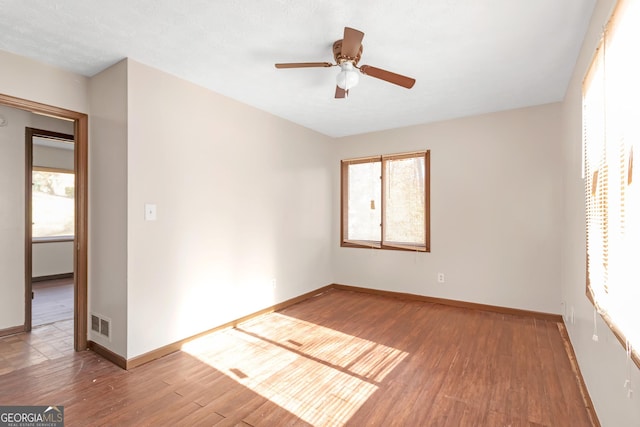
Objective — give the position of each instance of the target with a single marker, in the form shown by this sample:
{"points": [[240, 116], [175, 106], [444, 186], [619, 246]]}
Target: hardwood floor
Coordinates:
{"points": [[52, 302], [342, 358]]}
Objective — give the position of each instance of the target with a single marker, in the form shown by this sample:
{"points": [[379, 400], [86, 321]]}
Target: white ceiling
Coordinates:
{"points": [[468, 56]]}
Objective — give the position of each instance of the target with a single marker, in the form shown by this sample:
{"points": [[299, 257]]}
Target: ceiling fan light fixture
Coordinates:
{"points": [[348, 77]]}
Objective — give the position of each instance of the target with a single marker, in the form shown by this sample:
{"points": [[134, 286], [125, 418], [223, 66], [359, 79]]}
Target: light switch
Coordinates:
{"points": [[149, 212]]}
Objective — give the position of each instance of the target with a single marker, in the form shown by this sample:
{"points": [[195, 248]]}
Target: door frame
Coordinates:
{"points": [[31, 133], [81, 163]]}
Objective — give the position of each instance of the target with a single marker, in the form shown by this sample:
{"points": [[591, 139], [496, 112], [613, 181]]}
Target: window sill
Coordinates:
{"points": [[371, 245], [53, 239]]}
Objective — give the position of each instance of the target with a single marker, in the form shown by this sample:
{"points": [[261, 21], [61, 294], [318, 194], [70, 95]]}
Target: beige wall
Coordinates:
{"points": [[107, 273], [229, 202], [12, 218], [24, 78], [243, 199], [12, 204], [495, 191], [603, 363], [52, 258]]}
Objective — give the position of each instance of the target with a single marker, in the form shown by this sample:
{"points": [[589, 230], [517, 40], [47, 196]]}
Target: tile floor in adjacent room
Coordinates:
{"points": [[51, 336]]}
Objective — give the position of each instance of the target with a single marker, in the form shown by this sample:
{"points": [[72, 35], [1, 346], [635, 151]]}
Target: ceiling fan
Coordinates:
{"points": [[347, 53]]}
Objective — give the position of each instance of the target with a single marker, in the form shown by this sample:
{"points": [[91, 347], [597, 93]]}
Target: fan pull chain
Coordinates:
{"points": [[595, 324], [627, 383]]}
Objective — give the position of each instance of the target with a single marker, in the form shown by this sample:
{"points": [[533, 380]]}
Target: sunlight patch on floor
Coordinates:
{"points": [[319, 374]]}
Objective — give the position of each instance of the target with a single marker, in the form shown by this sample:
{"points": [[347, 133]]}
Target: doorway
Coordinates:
{"points": [[50, 209], [80, 242]]}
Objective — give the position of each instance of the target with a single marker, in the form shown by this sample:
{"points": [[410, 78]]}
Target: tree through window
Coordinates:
{"points": [[53, 205]]}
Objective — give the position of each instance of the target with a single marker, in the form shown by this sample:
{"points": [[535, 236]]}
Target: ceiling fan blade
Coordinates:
{"points": [[351, 42], [304, 64], [388, 76], [341, 93]]}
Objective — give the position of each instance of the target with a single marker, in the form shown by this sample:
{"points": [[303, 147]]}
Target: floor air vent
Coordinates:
{"points": [[101, 325], [95, 323], [104, 327]]}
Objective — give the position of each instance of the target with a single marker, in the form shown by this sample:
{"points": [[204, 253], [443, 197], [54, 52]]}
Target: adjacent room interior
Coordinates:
{"points": [[197, 211]]}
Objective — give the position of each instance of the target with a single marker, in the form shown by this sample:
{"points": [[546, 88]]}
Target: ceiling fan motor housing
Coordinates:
{"points": [[340, 58]]}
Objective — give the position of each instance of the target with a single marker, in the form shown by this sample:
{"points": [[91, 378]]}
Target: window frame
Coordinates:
{"points": [[344, 207]]}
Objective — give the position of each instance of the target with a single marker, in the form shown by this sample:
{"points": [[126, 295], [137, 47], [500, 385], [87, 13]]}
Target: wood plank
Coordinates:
{"points": [[342, 358]]}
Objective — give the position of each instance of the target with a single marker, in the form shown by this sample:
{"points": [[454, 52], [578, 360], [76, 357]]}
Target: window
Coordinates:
{"points": [[385, 202], [52, 203], [611, 89]]}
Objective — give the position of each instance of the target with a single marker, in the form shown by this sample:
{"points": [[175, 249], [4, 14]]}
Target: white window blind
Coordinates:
{"points": [[611, 133]]}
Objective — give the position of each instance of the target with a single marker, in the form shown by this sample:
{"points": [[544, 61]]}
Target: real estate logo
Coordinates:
{"points": [[31, 416]]}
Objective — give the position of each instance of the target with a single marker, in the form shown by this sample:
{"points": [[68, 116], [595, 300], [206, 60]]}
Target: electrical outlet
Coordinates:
{"points": [[440, 277], [573, 316], [273, 283]]}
